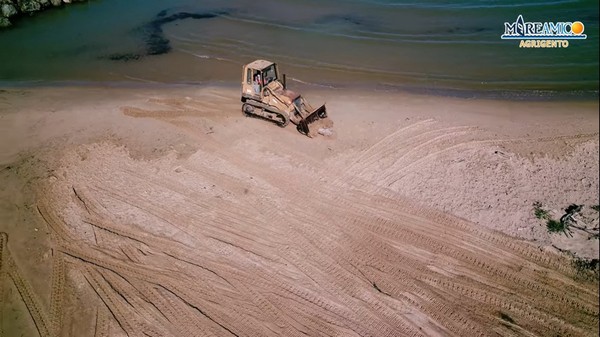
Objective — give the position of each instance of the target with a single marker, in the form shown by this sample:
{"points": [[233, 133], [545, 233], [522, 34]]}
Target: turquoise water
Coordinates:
{"points": [[432, 46]]}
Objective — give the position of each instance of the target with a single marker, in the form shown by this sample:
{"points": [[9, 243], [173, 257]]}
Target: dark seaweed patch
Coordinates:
{"points": [[125, 57], [162, 13], [464, 30], [347, 19], [155, 42]]}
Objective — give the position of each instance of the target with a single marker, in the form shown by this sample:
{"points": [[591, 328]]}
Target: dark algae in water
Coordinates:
{"points": [[154, 38]]}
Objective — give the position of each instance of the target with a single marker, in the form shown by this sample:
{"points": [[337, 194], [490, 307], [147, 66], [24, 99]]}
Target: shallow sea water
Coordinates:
{"points": [[437, 46]]}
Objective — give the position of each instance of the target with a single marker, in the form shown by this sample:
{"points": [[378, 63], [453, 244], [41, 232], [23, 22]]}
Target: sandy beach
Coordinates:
{"points": [[163, 211]]}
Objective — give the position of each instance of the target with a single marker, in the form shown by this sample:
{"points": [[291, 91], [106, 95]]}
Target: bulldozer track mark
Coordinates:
{"points": [[350, 315], [554, 296], [265, 305], [382, 228], [113, 267], [202, 312], [435, 136], [187, 260], [160, 211], [516, 306], [57, 294], [218, 226], [390, 139], [399, 150], [542, 139], [528, 249], [167, 114], [305, 293], [174, 313], [388, 268], [340, 274], [111, 230], [110, 302], [399, 294], [390, 145], [169, 248], [152, 321], [102, 321], [441, 314], [196, 199], [242, 248], [79, 198], [536, 288], [501, 240], [30, 299], [3, 241], [418, 163]]}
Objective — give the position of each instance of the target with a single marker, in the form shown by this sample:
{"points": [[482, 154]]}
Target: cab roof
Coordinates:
{"points": [[259, 64]]}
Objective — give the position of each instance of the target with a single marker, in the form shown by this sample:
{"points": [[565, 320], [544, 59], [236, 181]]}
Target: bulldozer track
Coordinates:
{"points": [[263, 118]]}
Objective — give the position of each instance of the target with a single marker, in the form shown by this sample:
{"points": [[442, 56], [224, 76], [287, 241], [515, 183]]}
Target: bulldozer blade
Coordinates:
{"points": [[303, 126], [317, 114]]}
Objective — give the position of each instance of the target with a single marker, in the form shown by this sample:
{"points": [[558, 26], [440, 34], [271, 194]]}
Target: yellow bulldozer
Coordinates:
{"points": [[265, 95]]}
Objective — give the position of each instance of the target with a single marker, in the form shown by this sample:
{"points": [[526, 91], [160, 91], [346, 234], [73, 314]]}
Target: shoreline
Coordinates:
{"points": [[468, 94]]}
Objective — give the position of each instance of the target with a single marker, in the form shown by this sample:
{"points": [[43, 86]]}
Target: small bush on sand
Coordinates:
{"points": [[554, 226], [539, 212], [595, 208]]}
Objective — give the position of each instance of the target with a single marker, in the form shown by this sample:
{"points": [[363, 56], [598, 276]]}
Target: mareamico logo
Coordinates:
{"points": [[543, 34]]}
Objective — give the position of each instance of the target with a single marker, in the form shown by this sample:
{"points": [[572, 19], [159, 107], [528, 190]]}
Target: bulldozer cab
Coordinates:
{"points": [[258, 75]]}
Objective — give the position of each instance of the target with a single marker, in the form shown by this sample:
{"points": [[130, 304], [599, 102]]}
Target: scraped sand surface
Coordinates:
{"points": [[165, 212]]}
